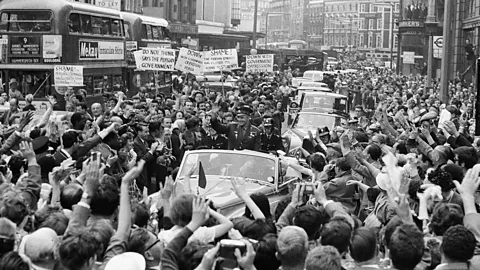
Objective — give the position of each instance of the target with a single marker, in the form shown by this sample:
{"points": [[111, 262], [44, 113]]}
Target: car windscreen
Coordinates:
{"points": [[324, 102], [230, 164], [314, 121]]}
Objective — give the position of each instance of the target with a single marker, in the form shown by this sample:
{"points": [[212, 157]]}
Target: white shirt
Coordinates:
{"points": [[204, 235]]}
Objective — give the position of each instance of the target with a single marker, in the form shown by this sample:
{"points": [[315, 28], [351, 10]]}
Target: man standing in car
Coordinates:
{"points": [[269, 140], [241, 134]]}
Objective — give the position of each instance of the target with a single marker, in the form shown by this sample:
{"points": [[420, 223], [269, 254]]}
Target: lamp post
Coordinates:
{"points": [[431, 25]]}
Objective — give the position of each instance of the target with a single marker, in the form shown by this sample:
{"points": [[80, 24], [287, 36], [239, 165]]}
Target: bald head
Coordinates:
{"points": [[40, 246], [96, 109]]}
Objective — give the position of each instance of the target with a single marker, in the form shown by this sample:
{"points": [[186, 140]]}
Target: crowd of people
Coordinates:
{"points": [[395, 186]]}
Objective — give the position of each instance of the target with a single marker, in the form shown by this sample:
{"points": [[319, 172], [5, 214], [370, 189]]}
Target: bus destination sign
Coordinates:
{"points": [[25, 46]]}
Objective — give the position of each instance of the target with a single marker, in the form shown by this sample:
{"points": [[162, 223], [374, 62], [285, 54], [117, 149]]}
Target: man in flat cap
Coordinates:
{"points": [[241, 134]]}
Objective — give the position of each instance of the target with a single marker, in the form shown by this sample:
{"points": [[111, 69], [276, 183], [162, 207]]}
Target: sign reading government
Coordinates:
{"points": [[259, 63], [101, 50], [222, 59], [155, 59]]}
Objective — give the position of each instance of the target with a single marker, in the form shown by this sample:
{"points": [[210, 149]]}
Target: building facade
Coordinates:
{"points": [[279, 21], [315, 13], [341, 23], [414, 35], [466, 26]]}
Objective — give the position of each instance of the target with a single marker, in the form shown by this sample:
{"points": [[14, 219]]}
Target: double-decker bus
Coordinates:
{"points": [[143, 31], [36, 36]]}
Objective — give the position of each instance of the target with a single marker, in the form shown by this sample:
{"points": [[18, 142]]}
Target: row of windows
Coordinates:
{"points": [[373, 8], [26, 21], [154, 3], [95, 25]]}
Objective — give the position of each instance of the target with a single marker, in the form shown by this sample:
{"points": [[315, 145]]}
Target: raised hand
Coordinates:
{"points": [[246, 261], [470, 182], [319, 193], [297, 195], [200, 212], [26, 148], [132, 174], [26, 119], [238, 184]]}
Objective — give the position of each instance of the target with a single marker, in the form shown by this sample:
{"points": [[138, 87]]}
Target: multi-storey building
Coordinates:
{"points": [[414, 35], [341, 23], [279, 21], [315, 13]]}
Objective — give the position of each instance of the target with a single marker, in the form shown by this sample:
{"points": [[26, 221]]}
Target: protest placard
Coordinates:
{"points": [[218, 60], [259, 63], [155, 59], [189, 61], [68, 75]]}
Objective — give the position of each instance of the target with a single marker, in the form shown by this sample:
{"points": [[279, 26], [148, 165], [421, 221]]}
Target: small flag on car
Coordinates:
{"points": [[202, 180]]}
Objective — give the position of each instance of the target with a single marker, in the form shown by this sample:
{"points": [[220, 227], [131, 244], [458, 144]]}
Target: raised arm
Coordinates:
{"points": [[46, 115], [238, 184]]}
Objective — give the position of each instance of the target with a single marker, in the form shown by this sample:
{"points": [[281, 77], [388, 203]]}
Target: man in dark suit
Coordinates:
{"points": [[268, 139], [213, 140], [241, 134], [144, 151]]}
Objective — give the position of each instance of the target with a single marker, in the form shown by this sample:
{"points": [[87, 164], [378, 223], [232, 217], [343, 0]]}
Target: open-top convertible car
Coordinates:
{"points": [[263, 173]]}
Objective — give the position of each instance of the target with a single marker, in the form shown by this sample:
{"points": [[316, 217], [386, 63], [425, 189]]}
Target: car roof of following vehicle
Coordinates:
{"points": [[314, 89], [329, 94]]}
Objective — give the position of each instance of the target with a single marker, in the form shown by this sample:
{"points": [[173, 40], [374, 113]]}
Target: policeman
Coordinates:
{"points": [[214, 140], [240, 134], [269, 140]]}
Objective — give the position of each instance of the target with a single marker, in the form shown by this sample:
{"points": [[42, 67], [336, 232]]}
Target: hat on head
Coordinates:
{"points": [[268, 122], [127, 260], [40, 144], [353, 121], [13, 80], [324, 131], [7, 229], [245, 109]]}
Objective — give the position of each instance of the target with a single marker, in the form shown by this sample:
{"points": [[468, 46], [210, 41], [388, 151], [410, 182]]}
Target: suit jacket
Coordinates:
{"points": [[142, 149], [59, 157], [337, 190], [273, 143], [239, 138], [210, 143]]}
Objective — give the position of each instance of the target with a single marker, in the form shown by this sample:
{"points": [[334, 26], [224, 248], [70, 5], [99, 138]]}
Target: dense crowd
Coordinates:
{"points": [[396, 186]]}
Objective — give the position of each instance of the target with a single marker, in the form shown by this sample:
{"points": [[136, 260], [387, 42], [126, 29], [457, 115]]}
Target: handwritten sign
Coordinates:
{"points": [[68, 75], [189, 61], [259, 63], [217, 60], [155, 59]]}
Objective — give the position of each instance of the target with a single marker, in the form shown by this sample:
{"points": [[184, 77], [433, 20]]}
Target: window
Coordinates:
{"points": [[86, 23], [370, 24], [97, 26], [379, 42], [361, 25], [154, 3], [149, 32], [74, 23], [127, 29], [397, 7], [155, 33], [362, 40], [26, 21], [370, 40], [362, 8], [379, 24], [145, 3], [117, 28]]}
